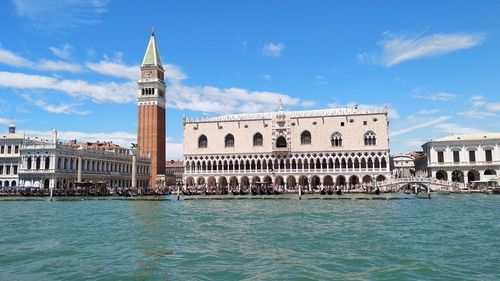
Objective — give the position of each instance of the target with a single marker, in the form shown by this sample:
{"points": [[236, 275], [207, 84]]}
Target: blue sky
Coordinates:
{"points": [[73, 65]]}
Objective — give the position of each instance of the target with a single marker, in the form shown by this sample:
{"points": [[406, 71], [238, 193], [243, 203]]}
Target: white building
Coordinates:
{"points": [[10, 163], [311, 148], [54, 164], [402, 166], [464, 158]]}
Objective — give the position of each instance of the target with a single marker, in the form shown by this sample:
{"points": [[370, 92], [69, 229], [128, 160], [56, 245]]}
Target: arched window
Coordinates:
{"points": [[370, 138], [336, 139], [258, 140], [229, 141], [305, 137], [281, 142], [202, 142]]}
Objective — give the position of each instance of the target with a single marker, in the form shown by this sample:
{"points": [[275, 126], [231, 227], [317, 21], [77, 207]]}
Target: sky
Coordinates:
{"points": [[73, 65]]}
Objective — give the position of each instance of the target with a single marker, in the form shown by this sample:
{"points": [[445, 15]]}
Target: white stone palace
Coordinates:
{"points": [[339, 146], [34, 162], [464, 158], [54, 164]]}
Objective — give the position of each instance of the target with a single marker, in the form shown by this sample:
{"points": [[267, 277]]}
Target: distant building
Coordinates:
{"points": [[174, 171], [464, 158], [337, 146], [33, 162], [402, 165], [10, 159]]}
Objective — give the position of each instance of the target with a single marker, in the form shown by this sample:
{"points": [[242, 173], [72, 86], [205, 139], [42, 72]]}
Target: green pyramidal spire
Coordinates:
{"points": [[152, 56]]}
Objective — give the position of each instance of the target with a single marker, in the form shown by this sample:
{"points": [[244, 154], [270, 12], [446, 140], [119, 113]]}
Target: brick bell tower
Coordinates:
{"points": [[151, 112]]}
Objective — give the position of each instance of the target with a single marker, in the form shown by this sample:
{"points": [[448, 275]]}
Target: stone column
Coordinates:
{"points": [[79, 174], [134, 169]]}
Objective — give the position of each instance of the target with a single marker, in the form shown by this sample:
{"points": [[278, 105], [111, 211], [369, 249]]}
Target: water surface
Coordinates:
{"points": [[447, 238]]}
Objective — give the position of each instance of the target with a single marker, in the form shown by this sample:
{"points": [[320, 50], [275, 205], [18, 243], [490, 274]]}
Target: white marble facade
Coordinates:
{"points": [[337, 146], [464, 158]]}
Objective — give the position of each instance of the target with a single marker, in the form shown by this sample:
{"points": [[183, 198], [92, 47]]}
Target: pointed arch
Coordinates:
{"points": [[202, 141], [305, 137], [258, 140]]}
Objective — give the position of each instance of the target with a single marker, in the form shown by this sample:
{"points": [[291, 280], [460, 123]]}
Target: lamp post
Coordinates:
{"points": [[134, 165]]}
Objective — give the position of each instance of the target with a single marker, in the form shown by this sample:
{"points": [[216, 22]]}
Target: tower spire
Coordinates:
{"points": [[152, 56]]}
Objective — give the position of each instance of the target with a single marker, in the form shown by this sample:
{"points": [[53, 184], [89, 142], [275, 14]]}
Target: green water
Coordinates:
{"points": [[455, 237]]}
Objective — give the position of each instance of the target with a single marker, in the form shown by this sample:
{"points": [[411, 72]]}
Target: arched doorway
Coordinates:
{"points": [[244, 181], [233, 181], [303, 181], [380, 178], [211, 182], [255, 180], [201, 181], [367, 179], [315, 182], [46, 183], [279, 180], [327, 181], [457, 176], [473, 175], [189, 181], [267, 181], [490, 172], [290, 182], [223, 182], [353, 180], [340, 180], [441, 175]]}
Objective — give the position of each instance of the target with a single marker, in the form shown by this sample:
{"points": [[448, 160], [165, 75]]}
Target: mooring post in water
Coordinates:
{"points": [[428, 193], [51, 195], [300, 193], [178, 193], [416, 189]]}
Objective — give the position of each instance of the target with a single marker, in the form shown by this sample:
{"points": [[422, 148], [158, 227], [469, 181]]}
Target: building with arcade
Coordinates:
{"points": [[464, 158], [328, 147]]}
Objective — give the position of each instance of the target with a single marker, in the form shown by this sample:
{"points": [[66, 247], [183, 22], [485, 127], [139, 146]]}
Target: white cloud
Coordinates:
{"points": [[400, 48], [115, 69], [98, 92], [456, 129], [63, 108], [267, 77], [175, 151], [62, 53], [320, 80], [419, 126], [476, 114], [436, 97], [49, 16], [428, 111], [230, 100], [273, 50], [59, 66], [10, 58], [4, 121]]}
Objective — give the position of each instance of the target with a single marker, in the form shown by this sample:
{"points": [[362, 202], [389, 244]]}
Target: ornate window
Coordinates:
{"points": [[229, 140], [281, 142], [370, 138], [202, 141], [305, 137], [258, 140], [336, 139]]}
